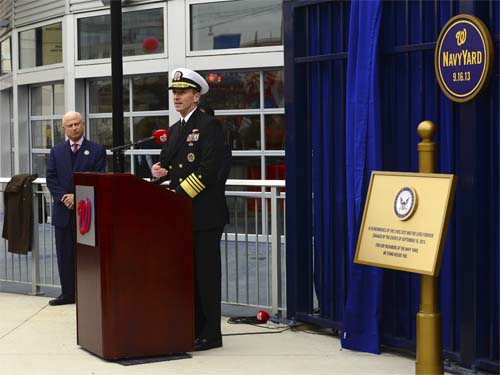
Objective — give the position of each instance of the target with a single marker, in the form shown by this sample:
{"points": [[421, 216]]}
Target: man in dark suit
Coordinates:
{"points": [[77, 154], [191, 160]]}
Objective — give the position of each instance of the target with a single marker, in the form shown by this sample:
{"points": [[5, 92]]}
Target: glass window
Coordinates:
{"points": [[275, 132], [232, 90], [142, 33], [250, 168], [242, 132], [27, 48], [101, 96], [126, 167], [41, 134], [148, 112], [275, 168], [51, 44], [145, 126], [58, 131], [274, 89], [143, 164], [150, 93], [6, 59], [39, 163], [245, 167], [41, 101], [41, 46], [101, 130], [250, 106], [59, 99], [45, 124], [94, 37], [236, 24]]}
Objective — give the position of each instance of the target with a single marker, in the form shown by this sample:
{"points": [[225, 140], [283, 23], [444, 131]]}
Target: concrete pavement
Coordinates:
{"points": [[38, 339]]}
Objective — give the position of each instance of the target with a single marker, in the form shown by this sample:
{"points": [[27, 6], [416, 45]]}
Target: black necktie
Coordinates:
{"points": [[183, 123]]}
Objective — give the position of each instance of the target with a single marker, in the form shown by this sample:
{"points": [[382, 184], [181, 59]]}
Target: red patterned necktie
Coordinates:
{"points": [[75, 147]]}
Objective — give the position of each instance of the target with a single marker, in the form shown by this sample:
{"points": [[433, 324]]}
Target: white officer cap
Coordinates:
{"points": [[183, 78]]}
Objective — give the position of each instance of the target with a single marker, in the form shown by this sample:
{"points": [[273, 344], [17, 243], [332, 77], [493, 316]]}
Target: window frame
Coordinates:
{"points": [[104, 12], [53, 117], [128, 117], [261, 111], [215, 52], [2, 74], [33, 27]]}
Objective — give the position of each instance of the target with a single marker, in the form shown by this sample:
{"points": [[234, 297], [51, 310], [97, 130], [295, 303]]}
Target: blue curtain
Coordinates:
{"points": [[360, 327], [326, 91]]}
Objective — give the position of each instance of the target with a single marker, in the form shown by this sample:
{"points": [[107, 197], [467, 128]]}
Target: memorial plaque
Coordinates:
{"points": [[405, 221]]}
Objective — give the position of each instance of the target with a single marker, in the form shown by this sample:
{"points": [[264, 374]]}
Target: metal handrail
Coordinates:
{"points": [[270, 191]]}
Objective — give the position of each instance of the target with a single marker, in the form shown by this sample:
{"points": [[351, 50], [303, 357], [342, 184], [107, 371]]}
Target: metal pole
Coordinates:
{"points": [[35, 246], [429, 343], [117, 83], [275, 251]]}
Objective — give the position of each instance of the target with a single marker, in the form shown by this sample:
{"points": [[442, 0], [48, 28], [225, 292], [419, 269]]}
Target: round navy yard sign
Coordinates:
{"points": [[463, 58]]}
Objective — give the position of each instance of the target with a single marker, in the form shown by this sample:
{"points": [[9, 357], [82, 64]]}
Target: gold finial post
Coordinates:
{"points": [[429, 344]]}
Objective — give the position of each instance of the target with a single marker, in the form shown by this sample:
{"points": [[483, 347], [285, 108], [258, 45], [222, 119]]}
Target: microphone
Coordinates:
{"points": [[262, 316], [160, 136]]}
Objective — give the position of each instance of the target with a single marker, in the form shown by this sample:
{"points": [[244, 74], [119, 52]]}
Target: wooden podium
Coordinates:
{"points": [[134, 283]]}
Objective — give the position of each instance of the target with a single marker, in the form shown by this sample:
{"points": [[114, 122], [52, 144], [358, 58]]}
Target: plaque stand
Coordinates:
{"points": [[429, 343]]}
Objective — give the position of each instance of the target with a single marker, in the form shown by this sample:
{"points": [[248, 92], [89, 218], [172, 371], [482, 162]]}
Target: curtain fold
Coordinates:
{"points": [[360, 327]]}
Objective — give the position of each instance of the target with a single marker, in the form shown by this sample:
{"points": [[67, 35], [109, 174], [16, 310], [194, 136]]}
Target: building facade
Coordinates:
{"points": [[55, 57]]}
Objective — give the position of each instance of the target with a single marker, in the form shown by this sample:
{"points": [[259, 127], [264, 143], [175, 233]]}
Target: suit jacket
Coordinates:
{"points": [[91, 157], [193, 157]]}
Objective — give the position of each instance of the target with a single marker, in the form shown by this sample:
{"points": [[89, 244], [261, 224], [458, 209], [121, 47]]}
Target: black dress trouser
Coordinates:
{"points": [[65, 249], [207, 282]]}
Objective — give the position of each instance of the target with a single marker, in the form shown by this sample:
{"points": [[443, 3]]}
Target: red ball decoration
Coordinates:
{"points": [[150, 44]]}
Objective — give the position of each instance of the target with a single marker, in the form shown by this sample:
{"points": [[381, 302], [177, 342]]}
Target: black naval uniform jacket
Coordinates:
{"points": [[193, 157]]}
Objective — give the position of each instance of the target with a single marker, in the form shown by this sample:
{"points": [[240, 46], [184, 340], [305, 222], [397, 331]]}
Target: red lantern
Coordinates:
{"points": [[150, 44]]}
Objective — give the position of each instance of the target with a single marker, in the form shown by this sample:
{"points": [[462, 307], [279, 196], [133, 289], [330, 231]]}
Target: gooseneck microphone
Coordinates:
{"points": [[160, 136]]}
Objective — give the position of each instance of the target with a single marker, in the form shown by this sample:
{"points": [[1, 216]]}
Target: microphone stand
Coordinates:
{"points": [[119, 150], [130, 144]]}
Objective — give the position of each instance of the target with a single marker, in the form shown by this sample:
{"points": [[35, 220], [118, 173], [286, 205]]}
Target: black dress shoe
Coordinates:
{"points": [[62, 300], [205, 344]]}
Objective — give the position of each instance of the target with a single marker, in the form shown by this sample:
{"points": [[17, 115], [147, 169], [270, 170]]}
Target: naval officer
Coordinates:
{"points": [[191, 160]]}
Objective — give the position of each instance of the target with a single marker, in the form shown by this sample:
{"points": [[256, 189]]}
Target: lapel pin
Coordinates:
{"points": [[86, 152]]}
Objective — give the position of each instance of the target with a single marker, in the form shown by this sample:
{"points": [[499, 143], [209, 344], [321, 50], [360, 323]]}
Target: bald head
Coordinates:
{"points": [[72, 114], [73, 125]]}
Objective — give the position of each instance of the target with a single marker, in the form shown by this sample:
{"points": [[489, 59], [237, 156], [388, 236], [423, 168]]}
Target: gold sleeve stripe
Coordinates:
{"points": [[197, 181], [188, 189], [193, 185]]}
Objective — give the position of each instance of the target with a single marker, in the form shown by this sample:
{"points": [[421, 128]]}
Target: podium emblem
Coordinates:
{"points": [[85, 208], [84, 212]]}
